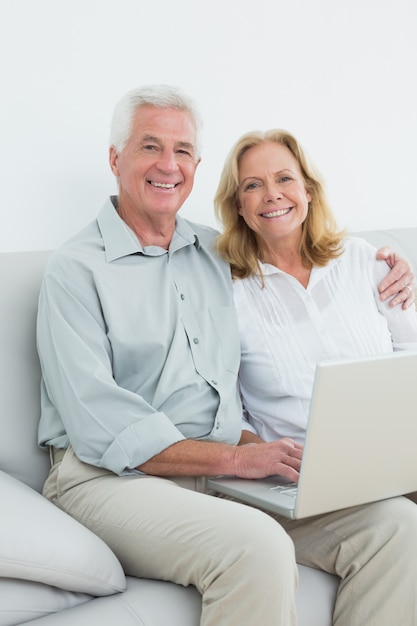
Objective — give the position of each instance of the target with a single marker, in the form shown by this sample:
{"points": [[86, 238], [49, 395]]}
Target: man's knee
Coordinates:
{"points": [[258, 539]]}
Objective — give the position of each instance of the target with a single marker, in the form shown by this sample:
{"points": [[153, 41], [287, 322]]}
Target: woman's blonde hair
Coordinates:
{"points": [[321, 240]]}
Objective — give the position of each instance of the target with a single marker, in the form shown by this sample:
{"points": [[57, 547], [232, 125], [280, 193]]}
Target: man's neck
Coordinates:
{"points": [[150, 232]]}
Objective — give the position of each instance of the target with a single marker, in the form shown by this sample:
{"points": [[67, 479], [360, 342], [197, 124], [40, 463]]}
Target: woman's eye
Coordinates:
{"points": [[251, 186], [284, 179]]}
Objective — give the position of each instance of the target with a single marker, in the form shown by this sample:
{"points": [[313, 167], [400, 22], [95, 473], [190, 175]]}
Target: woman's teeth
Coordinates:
{"points": [[276, 213]]}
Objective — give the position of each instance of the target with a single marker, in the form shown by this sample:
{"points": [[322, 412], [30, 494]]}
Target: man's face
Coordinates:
{"points": [[157, 166]]}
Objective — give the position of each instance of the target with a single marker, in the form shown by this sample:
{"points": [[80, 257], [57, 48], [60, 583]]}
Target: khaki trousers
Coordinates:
{"points": [[241, 561], [373, 549], [239, 558]]}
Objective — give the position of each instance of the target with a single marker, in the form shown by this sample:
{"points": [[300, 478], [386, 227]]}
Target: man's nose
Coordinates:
{"points": [[167, 161]]}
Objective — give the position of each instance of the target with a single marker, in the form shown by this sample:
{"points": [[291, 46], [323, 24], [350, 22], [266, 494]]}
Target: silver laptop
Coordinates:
{"points": [[361, 441]]}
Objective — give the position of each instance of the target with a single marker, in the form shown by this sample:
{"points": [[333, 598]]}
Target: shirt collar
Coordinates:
{"points": [[267, 269], [120, 240]]}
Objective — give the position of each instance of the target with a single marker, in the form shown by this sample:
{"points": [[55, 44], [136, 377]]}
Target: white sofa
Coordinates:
{"points": [[53, 571]]}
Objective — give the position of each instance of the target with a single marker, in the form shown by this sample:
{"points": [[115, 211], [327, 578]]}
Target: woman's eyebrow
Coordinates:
{"points": [[257, 177]]}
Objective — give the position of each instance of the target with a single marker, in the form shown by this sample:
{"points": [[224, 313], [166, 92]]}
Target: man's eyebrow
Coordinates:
{"points": [[186, 144], [180, 144], [150, 138]]}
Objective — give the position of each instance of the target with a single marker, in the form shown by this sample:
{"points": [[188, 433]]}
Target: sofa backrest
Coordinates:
{"points": [[402, 240], [20, 277]]}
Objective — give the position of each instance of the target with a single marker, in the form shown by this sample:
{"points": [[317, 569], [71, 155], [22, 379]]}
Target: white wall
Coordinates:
{"points": [[340, 75]]}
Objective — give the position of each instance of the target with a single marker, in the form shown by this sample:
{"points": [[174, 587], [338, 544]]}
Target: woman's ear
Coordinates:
{"points": [[307, 190]]}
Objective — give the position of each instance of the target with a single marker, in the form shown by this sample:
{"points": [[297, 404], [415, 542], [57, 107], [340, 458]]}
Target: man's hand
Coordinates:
{"points": [[399, 282], [208, 458], [281, 457]]}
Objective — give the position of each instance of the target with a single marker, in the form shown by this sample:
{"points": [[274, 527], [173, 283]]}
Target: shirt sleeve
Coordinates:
{"points": [[402, 324], [107, 425], [246, 425]]}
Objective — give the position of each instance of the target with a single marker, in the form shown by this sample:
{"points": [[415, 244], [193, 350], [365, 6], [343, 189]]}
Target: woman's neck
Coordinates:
{"points": [[288, 259]]}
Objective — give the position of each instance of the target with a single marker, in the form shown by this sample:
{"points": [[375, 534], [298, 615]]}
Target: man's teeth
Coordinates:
{"points": [[276, 213], [163, 185]]}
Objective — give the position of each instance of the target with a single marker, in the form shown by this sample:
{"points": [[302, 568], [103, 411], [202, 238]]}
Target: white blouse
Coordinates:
{"points": [[285, 330]]}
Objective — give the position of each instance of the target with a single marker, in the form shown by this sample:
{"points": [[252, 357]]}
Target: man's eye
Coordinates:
{"points": [[149, 147]]}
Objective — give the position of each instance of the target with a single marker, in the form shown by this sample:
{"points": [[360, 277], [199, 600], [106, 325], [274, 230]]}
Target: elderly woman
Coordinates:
{"points": [[304, 292]]}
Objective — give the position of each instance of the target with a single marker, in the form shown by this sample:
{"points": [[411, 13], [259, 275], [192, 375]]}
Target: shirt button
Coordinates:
{"points": [[214, 382], [182, 296], [196, 340]]}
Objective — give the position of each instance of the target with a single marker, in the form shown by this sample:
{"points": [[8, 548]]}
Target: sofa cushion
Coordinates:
{"points": [[22, 601], [144, 603], [41, 543]]}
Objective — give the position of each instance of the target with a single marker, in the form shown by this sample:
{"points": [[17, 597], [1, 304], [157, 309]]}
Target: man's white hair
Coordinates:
{"points": [[160, 96]]}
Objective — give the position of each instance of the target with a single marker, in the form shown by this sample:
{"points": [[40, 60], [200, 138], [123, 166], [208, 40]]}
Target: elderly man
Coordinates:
{"points": [[139, 351]]}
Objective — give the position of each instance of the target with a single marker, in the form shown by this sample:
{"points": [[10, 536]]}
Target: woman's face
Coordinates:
{"points": [[272, 196]]}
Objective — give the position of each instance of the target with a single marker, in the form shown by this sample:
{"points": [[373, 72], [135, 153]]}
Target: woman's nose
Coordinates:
{"points": [[272, 193]]}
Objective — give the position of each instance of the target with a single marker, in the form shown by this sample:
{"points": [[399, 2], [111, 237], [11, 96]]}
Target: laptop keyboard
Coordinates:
{"points": [[290, 489]]}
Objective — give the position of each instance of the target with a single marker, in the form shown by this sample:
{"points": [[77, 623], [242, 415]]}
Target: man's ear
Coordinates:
{"points": [[113, 160]]}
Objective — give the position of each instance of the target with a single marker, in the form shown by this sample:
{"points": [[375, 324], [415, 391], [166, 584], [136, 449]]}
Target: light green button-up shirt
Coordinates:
{"points": [[138, 346]]}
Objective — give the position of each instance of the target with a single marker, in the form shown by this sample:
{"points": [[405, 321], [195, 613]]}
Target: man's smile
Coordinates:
{"points": [[163, 185]]}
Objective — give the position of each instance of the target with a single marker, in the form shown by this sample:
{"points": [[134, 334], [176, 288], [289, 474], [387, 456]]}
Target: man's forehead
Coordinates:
{"points": [[162, 124], [159, 137]]}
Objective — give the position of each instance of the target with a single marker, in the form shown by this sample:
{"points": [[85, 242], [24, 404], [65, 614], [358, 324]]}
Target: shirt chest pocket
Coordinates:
{"points": [[224, 336]]}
